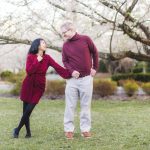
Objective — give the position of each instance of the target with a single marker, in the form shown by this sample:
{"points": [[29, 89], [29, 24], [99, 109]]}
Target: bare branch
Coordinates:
{"points": [[11, 40], [132, 6], [114, 24], [130, 18], [123, 54], [79, 12], [133, 34], [90, 8], [130, 54]]}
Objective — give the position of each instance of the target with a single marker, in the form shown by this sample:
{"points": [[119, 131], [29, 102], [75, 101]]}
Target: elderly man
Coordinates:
{"points": [[80, 57]]}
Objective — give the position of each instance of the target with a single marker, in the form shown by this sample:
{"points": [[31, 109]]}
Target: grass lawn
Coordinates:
{"points": [[117, 125]]}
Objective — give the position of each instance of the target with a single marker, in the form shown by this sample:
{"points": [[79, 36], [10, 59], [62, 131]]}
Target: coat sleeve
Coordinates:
{"points": [[65, 61], [94, 52], [31, 64], [59, 69]]}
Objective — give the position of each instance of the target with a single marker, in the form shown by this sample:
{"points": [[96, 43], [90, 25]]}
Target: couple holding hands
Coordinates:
{"points": [[80, 58]]}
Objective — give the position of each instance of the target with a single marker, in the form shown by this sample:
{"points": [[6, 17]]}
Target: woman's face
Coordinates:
{"points": [[43, 45]]}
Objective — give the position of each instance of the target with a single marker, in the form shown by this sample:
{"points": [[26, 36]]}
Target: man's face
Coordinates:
{"points": [[67, 33]]}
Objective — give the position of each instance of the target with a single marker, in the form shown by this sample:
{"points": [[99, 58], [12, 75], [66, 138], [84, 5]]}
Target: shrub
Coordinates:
{"points": [[17, 88], [135, 76], [146, 88], [14, 78], [130, 87], [102, 67], [148, 67], [5, 75], [55, 88], [17, 79], [122, 82], [104, 87], [138, 68]]}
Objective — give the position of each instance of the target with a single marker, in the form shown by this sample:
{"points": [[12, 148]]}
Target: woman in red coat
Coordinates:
{"points": [[33, 85]]}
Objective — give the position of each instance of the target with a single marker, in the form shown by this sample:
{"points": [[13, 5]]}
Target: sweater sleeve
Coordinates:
{"points": [[94, 53], [31, 64], [65, 61], [59, 69]]}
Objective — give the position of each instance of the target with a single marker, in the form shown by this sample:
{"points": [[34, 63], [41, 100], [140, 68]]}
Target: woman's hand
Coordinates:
{"points": [[75, 74], [39, 58], [40, 54]]}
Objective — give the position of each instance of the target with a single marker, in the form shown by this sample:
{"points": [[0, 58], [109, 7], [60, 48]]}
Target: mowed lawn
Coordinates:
{"points": [[117, 125]]}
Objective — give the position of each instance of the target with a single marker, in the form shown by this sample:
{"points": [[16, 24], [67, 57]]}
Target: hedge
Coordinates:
{"points": [[136, 76]]}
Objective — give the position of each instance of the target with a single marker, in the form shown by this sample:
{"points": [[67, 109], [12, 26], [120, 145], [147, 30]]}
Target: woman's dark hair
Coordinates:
{"points": [[35, 46]]}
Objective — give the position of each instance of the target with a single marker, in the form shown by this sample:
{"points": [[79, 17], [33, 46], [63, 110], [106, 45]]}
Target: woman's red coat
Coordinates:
{"points": [[33, 85]]}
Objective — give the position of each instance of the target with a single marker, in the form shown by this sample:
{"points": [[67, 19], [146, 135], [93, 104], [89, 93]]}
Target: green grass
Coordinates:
{"points": [[117, 125]]}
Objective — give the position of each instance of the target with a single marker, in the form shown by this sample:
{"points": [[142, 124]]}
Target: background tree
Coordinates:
{"points": [[119, 28]]}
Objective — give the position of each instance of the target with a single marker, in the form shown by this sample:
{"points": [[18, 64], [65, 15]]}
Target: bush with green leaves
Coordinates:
{"points": [[122, 82], [102, 67], [143, 77], [146, 88], [141, 66], [104, 87], [19, 76], [130, 87], [5, 75], [148, 67], [138, 68], [17, 80], [55, 88]]}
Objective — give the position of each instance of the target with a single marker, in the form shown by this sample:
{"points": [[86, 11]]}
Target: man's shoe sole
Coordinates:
{"points": [[87, 137]]}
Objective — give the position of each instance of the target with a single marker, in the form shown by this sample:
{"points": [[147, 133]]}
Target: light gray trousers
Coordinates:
{"points": [[81, 88]]}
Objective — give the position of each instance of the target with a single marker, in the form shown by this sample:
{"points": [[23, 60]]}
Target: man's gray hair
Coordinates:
{"points": [[68, 25]]}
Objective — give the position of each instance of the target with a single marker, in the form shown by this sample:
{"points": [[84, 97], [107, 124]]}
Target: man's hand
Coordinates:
{"points": [[93, 72], [75, 74]]}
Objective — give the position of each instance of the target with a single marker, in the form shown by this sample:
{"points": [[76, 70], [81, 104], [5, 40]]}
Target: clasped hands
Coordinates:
{"points": [[76, 74], [39, 56]]}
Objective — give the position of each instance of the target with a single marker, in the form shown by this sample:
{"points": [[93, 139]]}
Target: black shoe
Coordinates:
{"points": [[15, 134], [28, 135]]}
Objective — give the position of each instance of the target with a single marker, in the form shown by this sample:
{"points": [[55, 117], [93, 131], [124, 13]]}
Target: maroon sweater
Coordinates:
{"points": [[80, 54]]}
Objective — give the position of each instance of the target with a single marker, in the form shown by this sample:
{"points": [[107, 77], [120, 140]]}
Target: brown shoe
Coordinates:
{"points": [[69, 135], [86, 134]]}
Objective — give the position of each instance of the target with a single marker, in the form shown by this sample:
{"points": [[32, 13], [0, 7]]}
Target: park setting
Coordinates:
{"points": [[77, 73]]}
